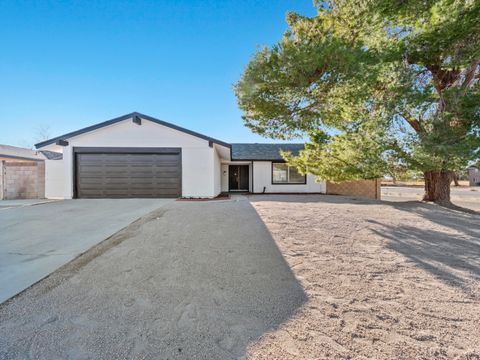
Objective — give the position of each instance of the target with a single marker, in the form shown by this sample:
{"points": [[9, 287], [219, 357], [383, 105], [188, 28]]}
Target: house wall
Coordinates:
{"points": [[473, 176], [22, 180], [54, 179], [217, 173], [198, 177], [262, 177], [250, 177], [362, 188], [224, 177], [225, 174], [2, 176]]}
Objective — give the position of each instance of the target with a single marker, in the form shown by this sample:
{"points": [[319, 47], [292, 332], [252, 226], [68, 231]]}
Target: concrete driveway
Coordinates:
{"points": [[36, 240], [192, 280]]}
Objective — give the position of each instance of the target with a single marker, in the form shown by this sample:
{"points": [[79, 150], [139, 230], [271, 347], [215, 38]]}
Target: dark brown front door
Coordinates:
{"points": [[238, 178], [128, 175]]}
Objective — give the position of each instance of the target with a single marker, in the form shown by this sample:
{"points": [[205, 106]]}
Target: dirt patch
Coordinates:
{"points": [[383, 281], [197, 280], [73, 267], [466, 197], [222, 196], [271, 277]]}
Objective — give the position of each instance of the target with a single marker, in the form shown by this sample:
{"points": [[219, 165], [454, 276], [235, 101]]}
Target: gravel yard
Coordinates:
{"points": [[263, 277], [191, 280], [465, 196], [383, 281]]}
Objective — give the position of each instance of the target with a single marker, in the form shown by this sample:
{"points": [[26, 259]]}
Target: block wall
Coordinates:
{"points": [[22, 180], [361, 188]]}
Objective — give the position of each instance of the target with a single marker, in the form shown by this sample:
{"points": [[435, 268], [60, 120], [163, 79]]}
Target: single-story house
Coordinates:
{"points": [[136, 155], [473, 175]]}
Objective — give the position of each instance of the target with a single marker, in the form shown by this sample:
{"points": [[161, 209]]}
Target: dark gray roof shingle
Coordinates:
{"points": [[52, 155], [263, 151]]}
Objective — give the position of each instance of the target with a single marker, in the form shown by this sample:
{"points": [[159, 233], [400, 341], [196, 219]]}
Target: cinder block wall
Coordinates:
{"points": [[2, 176], [22, 180], [362, 188]]}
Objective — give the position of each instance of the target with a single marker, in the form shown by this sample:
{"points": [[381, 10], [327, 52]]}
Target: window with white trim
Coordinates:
{"points": [[284, 174]]}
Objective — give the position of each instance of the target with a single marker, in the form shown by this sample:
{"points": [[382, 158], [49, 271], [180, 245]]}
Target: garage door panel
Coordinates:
{"points": [[159, 191], [157, 188], [141, 193], [128, 175]]}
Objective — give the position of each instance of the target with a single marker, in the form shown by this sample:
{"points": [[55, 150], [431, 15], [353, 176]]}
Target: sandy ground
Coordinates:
{"points": [[467, 197], [419, 183], [264, 277], [192, 280], [383, 281], [38, 238]]}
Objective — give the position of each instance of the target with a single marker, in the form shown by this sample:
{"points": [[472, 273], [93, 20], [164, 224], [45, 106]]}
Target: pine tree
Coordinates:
{"points": [[372, 80]]}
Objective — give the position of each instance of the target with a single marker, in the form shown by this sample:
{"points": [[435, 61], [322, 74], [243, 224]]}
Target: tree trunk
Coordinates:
{"points": [[455, 178], [437, 187]]}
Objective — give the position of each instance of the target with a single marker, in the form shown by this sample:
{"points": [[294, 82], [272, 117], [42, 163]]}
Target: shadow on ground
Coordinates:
{"points": [[190, 281], [445, 242]]}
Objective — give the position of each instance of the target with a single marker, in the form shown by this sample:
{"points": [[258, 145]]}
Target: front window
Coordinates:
{"points": [[284, 174]]}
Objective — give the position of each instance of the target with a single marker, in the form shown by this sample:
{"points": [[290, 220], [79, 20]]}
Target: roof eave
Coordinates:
{"points": [[258, 160], [125, 117], [21, 157]]}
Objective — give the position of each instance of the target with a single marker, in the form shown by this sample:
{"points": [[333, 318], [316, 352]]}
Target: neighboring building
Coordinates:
{"points": [[136, 155], [22, 173], [473, 176]]}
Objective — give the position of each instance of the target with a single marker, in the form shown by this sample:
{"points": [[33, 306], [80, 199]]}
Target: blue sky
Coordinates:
{"points": [[69, 64]]}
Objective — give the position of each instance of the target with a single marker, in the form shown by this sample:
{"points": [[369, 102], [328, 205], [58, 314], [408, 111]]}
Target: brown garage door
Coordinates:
{"points": [[128, 175]]}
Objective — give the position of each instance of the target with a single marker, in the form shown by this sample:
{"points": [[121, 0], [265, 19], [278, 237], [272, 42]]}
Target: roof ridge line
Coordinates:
{"points": [[125, 117]]}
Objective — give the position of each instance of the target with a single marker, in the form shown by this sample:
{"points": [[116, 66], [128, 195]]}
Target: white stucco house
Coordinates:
{"points": [[473, 175], [136, 155]]}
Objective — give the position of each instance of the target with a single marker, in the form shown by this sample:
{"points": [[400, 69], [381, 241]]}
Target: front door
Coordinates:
{"points": [[238, 178]]}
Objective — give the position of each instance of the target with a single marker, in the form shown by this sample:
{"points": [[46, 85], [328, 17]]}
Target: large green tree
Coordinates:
{"points": [[373, 82]]}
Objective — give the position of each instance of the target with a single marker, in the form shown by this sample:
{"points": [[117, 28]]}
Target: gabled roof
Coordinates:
{"points": [[14, 152], [51, 155], [125, 117], [265, 152]]}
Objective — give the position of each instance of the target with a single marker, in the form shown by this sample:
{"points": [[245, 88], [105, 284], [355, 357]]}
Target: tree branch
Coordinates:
{"points": [[470, 75], [407, 157], [414, 123]]}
